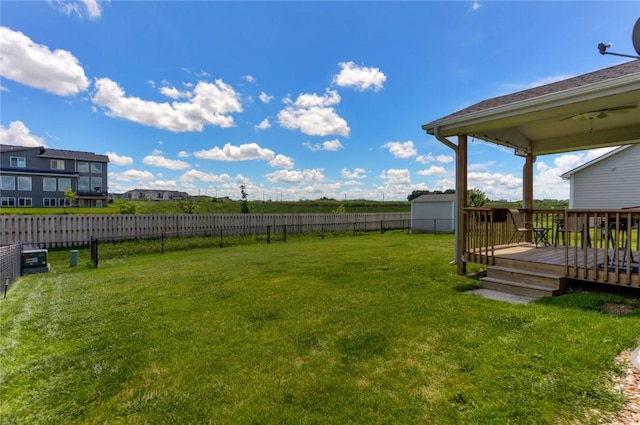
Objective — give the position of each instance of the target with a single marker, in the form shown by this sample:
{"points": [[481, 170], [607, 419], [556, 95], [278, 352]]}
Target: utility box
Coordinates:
{"points": [[34, 261]]}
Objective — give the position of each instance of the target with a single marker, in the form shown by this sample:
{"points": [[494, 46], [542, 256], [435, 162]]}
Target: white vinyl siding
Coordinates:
{"points": [[611, 183]]}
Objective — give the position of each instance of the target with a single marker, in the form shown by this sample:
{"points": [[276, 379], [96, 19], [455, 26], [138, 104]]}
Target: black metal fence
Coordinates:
{"points": [[10, 262], [229, 236]]}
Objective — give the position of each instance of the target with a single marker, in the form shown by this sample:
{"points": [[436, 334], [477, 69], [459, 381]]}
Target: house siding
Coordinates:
{"points": [[36, 164], [611, 183]]}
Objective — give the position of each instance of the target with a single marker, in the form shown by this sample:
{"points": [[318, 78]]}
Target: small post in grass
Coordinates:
{"points": [[6, 285]]}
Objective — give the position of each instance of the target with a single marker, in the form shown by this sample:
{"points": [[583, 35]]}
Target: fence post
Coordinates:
{"points": [[381, 227], [435, 221], [354, 228], [162, 239], [322, 230], [284, 232], [268, 234], [220, 237]]}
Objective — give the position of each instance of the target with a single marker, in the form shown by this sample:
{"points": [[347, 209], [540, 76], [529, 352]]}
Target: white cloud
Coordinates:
{"points": [[496, 185], [183, 154], [265, 98], [249, 79], [116, 159], [425, 159], [357, 173], [132, 175], [19, 135], [174, 93], [158, 160], [359, 77], [34, 65], [395, 177], [476, 5], [282, 161], [210, 104], [264, 124], [89, 7], [431, 171], [314, 115], [245, 152], [328, 145], [401, 149], [293, 176], [192, 176]]}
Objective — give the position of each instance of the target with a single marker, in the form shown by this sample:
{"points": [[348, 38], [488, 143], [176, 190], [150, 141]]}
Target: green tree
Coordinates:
{"points": [[476, 198], [188, 206], [340, 210], [70, 196], [128, 208], [244, 206]]}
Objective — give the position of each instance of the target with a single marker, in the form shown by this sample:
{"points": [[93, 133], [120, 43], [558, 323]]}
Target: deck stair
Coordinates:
{"points": [[523, 281]]}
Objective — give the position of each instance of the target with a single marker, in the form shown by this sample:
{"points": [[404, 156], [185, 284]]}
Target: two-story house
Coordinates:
{"points": [[39, 177]]}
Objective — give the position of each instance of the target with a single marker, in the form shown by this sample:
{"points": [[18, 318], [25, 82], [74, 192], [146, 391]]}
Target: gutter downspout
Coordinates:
{"points": [[447, 142]]}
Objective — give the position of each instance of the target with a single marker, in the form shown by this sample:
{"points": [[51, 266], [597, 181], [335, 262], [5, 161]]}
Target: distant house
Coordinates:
{"points": [[433, 213], [610, 181], [38, 177], [155, 194]]}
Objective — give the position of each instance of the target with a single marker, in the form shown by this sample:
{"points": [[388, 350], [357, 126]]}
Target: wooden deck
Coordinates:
{"points": [[573, 262]]}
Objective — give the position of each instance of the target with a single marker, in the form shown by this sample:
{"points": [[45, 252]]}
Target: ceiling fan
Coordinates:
{"points": [[600, 113]]}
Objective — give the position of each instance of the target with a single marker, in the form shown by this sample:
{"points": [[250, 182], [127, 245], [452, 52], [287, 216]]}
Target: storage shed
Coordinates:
{"points": [[433, 213], [607, 182]]}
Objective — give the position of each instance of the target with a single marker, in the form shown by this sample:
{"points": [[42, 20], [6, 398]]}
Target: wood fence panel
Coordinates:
{"points": [[75, 229]]}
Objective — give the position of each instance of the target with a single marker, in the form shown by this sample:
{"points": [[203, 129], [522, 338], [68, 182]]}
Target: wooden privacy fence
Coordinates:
{"points": [[50, 231]]}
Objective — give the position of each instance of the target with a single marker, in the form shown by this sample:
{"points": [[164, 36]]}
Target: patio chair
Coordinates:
{"points": [[577, 225], [521, 227]]}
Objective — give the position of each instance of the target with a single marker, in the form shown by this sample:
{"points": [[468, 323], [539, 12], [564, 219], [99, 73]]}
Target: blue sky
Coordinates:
{"points": [[295, 100]]}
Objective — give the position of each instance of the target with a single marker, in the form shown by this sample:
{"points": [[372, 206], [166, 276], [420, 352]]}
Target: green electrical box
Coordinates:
{"points": [[34, 261]]}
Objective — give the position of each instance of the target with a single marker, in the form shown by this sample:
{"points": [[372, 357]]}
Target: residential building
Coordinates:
{"points": [[609, 181], [155, 194], [39, 176]]}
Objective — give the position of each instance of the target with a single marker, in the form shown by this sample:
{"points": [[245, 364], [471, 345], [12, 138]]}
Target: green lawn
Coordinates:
{"points": [[353, 330]]}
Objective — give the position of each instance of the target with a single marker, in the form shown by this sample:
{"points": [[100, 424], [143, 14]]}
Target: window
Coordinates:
{"points": [[7, 202], [18, 161], [49, 202], [57, 164], [24, 183], [83, 167], [96, 167], [7, 183], [96, 184], [64, 185], [63, 202], [83, 184], [99, 203], [49, 184], [24, 202]]}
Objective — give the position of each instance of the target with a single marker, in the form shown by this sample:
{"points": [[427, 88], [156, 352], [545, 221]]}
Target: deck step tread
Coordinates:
{"points": [[518, 284], [532, 272]]}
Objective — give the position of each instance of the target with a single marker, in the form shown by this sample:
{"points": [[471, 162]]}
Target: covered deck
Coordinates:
{"points": [[593, 246], [555, 118]]}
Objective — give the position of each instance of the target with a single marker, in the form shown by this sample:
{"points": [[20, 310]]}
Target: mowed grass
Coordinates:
{"points": [[357, 330]]}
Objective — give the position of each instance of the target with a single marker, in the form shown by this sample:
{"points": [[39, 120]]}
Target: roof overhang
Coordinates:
{"points": [[584, 117]]}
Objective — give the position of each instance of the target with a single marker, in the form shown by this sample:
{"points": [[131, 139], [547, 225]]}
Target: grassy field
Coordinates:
{"points": [[205, 205], [371, 329]]}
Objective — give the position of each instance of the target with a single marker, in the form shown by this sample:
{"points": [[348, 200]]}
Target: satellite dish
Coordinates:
{"points": [[635, 36]]}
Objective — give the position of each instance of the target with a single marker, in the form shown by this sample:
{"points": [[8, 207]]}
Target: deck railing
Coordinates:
{"points": [[600, 246]]}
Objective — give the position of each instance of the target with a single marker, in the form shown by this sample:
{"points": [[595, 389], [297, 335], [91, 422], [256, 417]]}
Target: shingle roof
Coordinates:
{"points": [[606, 74], [57, 153], [435, 197]]}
